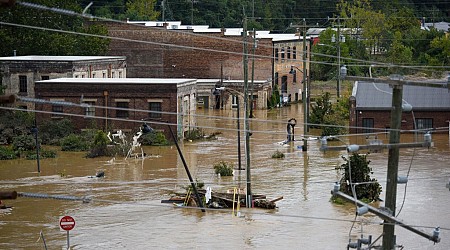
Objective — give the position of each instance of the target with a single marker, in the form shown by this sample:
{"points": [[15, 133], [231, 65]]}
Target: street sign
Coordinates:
{"points": [[67, 223]]}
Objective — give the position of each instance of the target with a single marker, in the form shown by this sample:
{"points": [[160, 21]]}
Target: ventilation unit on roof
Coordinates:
{"points": [[174, 27]]}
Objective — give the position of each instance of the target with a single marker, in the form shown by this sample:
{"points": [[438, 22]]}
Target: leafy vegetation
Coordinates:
{"points": [[278, 155], [7, 153], [325, 113], [154, 139], [74, 143], [223, 168], [28, 41], [357, 170]]}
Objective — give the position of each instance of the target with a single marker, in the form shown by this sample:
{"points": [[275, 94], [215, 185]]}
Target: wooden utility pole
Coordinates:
{"points": [[392, 171], [305, 91], [305, 95], [246, 111]]}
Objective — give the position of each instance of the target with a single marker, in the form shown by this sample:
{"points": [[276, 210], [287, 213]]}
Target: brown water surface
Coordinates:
{"points": [[126, 212]]}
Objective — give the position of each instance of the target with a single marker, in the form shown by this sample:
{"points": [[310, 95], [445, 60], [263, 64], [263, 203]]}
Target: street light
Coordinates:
{"points": [[305, 104]]}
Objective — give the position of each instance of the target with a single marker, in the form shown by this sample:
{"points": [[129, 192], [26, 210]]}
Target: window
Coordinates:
{"points": [[113, 75], [284, 84], [282, 54], [104, 75], [276, 55], [93, 75], [120, 74], [294, 52], [154, 106], [289, 53], [89, 111], [275, 80], [367, 124], [23, 84], [122, 113], [424, 123], [294, 74], [57, 109], [45, 78]]}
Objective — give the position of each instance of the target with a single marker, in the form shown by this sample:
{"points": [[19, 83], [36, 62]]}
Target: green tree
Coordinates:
{"points": [[142, 10], [320, 109], [356, 170]]}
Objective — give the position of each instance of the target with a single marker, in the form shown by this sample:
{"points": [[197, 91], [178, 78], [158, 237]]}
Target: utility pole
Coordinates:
{"points": [[253, 73], [394, 139], [305, 95], [392, 171], [305, 91], [163, 7], [338, 87], [246, 111]]}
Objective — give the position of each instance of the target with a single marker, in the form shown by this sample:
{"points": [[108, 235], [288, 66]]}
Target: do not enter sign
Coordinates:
{"points": [[67, 223]]}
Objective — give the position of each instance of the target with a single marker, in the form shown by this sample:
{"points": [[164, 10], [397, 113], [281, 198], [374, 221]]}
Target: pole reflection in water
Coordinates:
{"points": [[126, 212]]}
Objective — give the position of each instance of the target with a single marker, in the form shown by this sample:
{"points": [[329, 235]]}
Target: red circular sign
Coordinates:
{"points": [[67, 223]]}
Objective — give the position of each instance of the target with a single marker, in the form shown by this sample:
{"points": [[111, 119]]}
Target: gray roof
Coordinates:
{"points": [[61, 58], [378, 96]]}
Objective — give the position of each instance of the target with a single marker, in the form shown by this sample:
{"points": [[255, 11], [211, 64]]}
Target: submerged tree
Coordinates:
{"points": [[357, 170]]}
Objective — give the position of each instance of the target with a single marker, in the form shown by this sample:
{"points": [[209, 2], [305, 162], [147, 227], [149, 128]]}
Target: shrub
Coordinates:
{"points": [[43, 154], [360, 172], [154, 139], [52, 131], [278, 155], [24, 143], [7, 153], [100, 145], [223, 168], [74, 143]]}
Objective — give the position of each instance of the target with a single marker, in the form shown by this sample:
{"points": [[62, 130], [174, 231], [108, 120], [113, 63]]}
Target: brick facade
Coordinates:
{"points": [[36, 68], [105, 94], [215, 56], [382, 118]]}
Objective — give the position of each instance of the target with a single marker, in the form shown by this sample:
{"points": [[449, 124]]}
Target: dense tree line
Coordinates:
{"points": [[30, 41]]}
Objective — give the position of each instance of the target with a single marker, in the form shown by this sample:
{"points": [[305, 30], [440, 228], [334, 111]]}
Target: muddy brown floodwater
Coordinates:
{"points": [[126, 210]]}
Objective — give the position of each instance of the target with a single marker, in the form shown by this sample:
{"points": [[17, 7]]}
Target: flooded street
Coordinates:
{"points": [[126, 210]]}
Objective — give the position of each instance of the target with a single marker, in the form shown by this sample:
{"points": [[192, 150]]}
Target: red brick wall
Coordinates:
{"points": [[157, 60], [382, 119], [138, 94]]}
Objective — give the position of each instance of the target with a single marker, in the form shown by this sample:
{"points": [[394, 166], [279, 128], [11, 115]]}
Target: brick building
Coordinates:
{"points": [[113, 104], [371, 104], [170, 49], [19, 73]]}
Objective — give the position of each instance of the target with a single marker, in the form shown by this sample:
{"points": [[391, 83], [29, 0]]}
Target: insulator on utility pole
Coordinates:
{"points": [[7, 98], [8, 195]]}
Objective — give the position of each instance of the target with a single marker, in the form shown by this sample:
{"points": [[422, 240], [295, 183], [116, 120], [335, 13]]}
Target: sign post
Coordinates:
{"points": [[67, 223]]}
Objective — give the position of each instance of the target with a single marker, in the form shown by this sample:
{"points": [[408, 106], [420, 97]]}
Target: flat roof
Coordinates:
{"points": [[120, 80], [60, 58]]}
